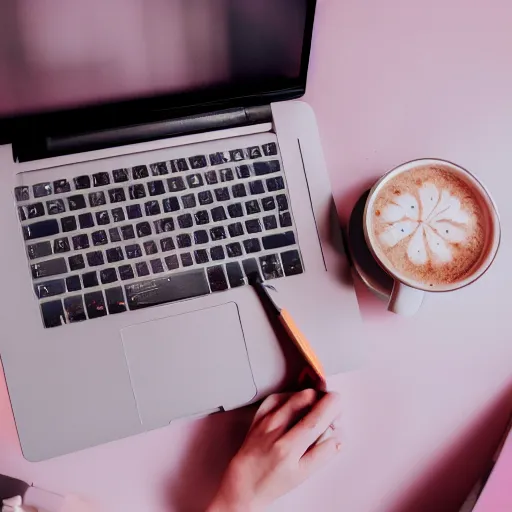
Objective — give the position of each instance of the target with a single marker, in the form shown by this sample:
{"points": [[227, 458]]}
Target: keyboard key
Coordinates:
{"points": [[271, 267], [50, 288], [237, 155], [85, 220], [254, 152], [22, 213], [262, 168], [102, 218], [159, 169], [101, 179], [120, 175], [251, 268], [201, 256], [252, 245], [128, 232], [235, 229], [211, 177], [270, 149], [171, 204], [179, 165], [133, 251], [156, 188], [137, 191], [150, 247], [76, 262], [235, 210], [73, 283], [268, 204], [291, 263], [164, 225], [280, 240], [270, 222], [198, 162], [143, 229], [118, 215], [274, 184], [205, 197], [282, 202], [189, 201], [202, 217], [256, 187], [68, 224], [222, 194], [139, 172], [235, 275], [253, 226], [95, 258], [226, 175], [195, 180], [42, 229], [97, 199], [176, 184], [39, 250], [117, 195], [133, 211], [252, 207], [142, 269], [238, 190], [171, 288], [115, 254], [220, 158], [35, 210], [243, 172], [76, 202], [55, 207], [152, 208], [21, 193], [53, 314], [61, 245], [95, 305], [115, 235], [172, 262], [167, 244], [115, 300], [185, 221], [99, 238], [217, 279], [126, 272], [186, 259], [80, 242], [42, 190], [184, 241], [218, 214], [201, 237], [49, 268], [82, 182], [217, 253], [108, 275], [218, 233], [156, 266], [285, 220], [234, 250]]}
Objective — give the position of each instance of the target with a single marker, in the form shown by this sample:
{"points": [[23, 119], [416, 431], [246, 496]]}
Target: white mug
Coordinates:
{"points": [[407, 295]]}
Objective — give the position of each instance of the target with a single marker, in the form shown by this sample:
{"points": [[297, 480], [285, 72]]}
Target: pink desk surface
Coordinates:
{"points": [[390, 81]]}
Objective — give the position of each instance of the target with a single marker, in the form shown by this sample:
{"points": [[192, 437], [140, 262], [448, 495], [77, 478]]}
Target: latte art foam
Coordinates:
{"points": [[428, 223]]}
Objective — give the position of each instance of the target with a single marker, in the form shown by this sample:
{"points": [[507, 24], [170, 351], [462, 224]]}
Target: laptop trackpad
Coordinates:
{"points": [[188, 364]]}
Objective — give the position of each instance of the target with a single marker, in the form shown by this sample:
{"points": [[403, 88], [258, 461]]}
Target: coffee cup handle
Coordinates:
{"points": [[404, 300]]}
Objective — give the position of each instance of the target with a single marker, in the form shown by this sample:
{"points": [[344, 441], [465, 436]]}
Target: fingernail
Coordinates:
{"points": [[338, 447]]}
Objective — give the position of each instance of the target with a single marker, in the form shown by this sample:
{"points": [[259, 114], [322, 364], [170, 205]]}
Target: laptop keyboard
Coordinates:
{"points": [[137, 237]]}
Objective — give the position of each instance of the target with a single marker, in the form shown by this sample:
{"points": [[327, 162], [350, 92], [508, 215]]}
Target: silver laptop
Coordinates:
{"points": [[151, 159]]}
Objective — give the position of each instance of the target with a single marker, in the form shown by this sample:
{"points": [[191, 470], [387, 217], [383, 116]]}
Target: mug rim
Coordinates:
{"points": [[493, 251]]}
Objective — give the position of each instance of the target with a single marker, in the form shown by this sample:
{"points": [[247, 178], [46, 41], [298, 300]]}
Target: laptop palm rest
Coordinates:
{"points": [[188, 364]]}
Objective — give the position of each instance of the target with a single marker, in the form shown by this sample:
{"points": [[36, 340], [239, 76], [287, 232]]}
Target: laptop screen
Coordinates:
{"points": [[62, 54]]}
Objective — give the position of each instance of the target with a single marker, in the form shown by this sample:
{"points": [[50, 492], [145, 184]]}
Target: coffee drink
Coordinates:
{"points": [[430, 226]]}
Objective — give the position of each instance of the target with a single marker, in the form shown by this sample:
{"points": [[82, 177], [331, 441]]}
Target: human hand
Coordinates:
{"points": [[280, 450]]}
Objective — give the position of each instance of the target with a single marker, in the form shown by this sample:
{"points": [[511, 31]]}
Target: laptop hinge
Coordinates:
{"points": [[37, 148]]}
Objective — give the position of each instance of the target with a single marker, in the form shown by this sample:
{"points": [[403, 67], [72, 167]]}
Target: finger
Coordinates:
{"points": [[271, 403], [313, 425], [319, 455]]}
